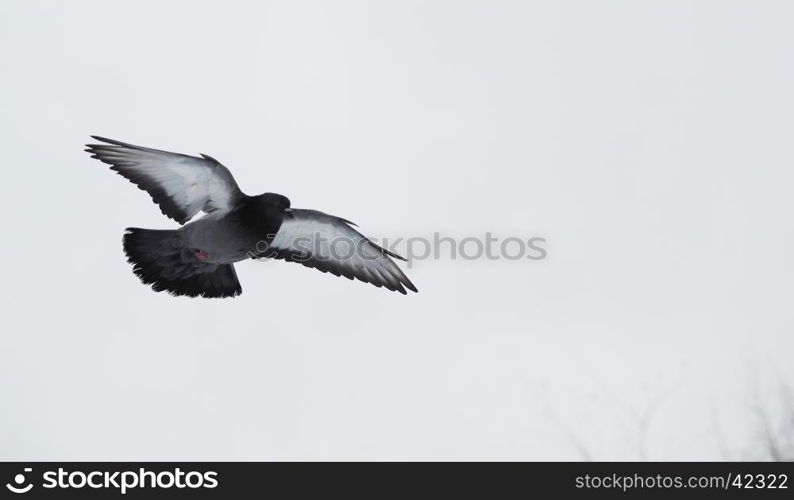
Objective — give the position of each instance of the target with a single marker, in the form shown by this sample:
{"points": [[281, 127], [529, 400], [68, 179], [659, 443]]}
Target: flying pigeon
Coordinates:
{"points": [[198, 258]]}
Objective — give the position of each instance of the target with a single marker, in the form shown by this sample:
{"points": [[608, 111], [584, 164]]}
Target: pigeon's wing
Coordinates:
{"points": [[331, 245], [181, 185]]}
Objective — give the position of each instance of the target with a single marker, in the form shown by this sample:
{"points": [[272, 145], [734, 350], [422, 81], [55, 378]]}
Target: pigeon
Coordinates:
{"points": [[197, 259]]}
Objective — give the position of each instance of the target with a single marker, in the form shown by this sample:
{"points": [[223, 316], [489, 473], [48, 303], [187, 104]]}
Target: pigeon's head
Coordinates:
{"points": [[274, 200]]}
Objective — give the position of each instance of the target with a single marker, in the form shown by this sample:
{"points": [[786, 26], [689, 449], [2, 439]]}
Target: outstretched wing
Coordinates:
{"points": [[181, 185], [331, 245]]}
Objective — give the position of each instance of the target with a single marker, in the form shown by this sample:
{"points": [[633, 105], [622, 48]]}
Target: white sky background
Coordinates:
{"points": [[649, 142]]}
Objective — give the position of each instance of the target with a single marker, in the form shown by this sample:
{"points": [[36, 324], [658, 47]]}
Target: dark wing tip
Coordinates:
{"points": [[106, 140], [107, 144], [410, 286], [114, 142]]}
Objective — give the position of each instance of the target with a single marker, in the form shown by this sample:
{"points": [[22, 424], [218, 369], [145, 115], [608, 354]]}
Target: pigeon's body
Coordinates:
{"points": [[197, 259], [233, 236]]}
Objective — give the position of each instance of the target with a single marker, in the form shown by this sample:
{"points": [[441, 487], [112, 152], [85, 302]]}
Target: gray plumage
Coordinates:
{"points": [[197, 259]]}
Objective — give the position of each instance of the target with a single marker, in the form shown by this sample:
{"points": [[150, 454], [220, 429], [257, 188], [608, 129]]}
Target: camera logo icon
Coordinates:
{"points": [[19, 481]]}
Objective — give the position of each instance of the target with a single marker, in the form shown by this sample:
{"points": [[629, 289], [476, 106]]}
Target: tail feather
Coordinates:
{"points": [[161, 259]]}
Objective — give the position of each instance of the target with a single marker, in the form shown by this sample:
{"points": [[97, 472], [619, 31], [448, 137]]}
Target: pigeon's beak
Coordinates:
{"points": [[288, 210]]}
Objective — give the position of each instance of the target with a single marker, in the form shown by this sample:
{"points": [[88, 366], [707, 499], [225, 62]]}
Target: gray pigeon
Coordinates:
{"points": [[198, 258]]}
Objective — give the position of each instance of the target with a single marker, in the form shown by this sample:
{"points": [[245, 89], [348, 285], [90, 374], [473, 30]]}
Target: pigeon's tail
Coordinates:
{"points": [[160, 258]]}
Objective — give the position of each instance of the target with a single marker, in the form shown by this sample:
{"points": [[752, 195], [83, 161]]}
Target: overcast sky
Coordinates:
{"points": [[650, 143]]}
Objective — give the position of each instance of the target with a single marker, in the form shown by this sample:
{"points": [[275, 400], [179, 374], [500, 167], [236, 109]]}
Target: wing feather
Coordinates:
{"points": [[181, 185], [329, 244]]}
